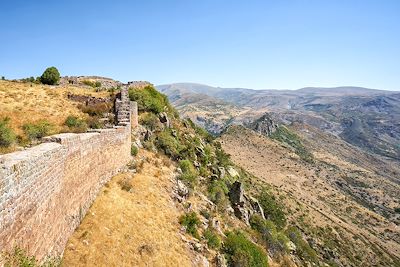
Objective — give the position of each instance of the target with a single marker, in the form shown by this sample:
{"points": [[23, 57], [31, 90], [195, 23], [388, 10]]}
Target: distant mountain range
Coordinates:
{"points": [[367, 118]]}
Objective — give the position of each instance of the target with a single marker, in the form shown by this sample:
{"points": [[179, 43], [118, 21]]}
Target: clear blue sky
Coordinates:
{"points": [[254, 44]]}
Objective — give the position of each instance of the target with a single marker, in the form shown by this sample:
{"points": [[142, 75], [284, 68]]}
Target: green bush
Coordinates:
{"points": [[243, 252], [276, 241], [213, 240], [134, 150], [272, 209], [149, 99], [168, 144], [217, 191], [189, 173], [223, 158], [50, 76], [191, 222], [3, 78], [37, 130], [150, 121], [76, 124], [284, 135], [98, 109], [7, 136], [28, 80], [93, 122], [19, 258], [303, 249], [96, 84]]}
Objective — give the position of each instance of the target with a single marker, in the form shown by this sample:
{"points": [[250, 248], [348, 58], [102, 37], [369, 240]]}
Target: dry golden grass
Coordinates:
{"points": [[138, 228], [27, 102]]}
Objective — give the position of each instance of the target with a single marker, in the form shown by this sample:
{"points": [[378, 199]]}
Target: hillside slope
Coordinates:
{"points": [[133, 222], [337, 203]]}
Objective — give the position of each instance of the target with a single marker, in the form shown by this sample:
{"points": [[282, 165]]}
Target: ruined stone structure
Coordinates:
{"points": [[46, 190]]}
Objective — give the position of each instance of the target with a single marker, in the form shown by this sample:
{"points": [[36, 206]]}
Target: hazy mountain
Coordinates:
{"points": [[367, 118]]}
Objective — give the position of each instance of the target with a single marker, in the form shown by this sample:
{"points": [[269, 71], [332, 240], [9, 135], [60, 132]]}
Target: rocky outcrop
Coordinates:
{"points": [[220, 260], [163, 117], [181, 192], [232, 172], [265, 125], [244, 206]]}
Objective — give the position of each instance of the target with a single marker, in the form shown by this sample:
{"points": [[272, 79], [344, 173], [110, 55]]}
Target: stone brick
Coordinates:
{"points": [[46, 190]]}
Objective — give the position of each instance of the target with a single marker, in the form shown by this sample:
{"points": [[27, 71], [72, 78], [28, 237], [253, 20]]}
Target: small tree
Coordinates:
{"points": [[3, 78], [50, 76]]}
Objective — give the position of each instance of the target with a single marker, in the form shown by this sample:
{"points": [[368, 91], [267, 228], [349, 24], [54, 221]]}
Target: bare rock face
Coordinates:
{"points": [[220, 260], [236, 194], [256, 207], [244, 206], [164, 119], [264, 125], [181, 191], [232, 172], [222, 172]]}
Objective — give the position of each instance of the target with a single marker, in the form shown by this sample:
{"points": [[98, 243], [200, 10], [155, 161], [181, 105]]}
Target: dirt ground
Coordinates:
{"points": [[323, 205], [136, 227]]}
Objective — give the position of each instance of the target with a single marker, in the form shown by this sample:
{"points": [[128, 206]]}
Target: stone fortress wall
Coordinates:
{"points": [[46, 190]]}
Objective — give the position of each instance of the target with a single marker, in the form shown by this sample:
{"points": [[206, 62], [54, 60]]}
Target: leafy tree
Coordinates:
{"points": [[50, 76]]}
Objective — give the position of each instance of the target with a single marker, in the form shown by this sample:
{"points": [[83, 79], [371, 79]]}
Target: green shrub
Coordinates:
{"points": [[93, 122], [19, 258], [284, 135], [50, 76], [189, 173], [37, 130], [28, 80], [98, 109], [76, 124], [149, 99], [217, 191], [150, 120], [213, 240], [134, 150], [168, 144], [276, 241], [191, 222], [96, 84], [7, 136], [223, 158], [243, 252], [272, 209], [303, 249], [3, 78]]}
